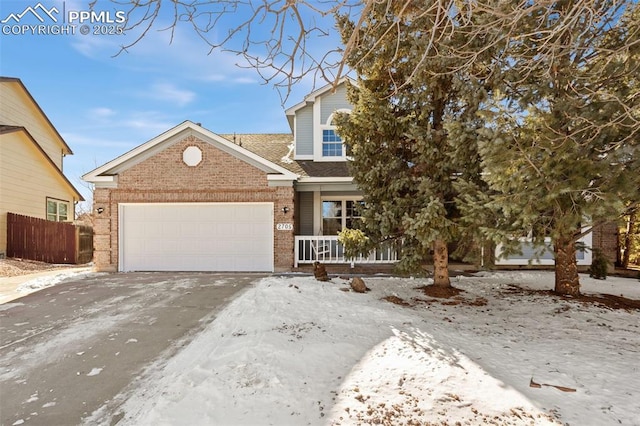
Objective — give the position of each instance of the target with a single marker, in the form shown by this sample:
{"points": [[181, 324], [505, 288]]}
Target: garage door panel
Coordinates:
{"points": [[197, 237], [137, 245], [190, 230], [258, 228], [240, 231], [244, 215]]}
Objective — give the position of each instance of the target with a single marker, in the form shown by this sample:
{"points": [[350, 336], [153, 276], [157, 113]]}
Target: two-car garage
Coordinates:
{"points": [[191, 200], [196, 237]]}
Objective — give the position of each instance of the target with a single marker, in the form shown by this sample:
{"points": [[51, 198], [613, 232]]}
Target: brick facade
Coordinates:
{"points": [[605, 238], [164, 177]]}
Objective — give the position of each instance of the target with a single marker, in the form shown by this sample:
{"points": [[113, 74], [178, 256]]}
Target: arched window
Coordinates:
{"points": [[332, 144]]}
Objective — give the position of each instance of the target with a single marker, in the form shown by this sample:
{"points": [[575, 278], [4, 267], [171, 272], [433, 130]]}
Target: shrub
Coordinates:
{"points": [[599, 265], [355, 242]]}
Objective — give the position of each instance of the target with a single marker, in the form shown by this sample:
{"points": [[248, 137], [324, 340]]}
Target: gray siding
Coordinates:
{"points": [[334, 101], [305, 213], [304, 131]]}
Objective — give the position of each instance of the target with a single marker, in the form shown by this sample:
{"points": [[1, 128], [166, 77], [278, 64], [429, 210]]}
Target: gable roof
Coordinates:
{"points": [[107, 172], [11, 129], [311, 98], [13, 80]]}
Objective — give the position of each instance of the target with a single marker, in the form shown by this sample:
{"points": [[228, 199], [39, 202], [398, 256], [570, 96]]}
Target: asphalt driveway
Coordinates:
{"points": [[68, 350]]}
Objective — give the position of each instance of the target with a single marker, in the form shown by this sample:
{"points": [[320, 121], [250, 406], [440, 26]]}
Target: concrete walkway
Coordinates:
{"points": [[9, 285]]}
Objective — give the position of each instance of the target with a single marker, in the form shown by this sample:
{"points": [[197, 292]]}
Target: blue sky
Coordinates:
{"points": [[103, 105]]}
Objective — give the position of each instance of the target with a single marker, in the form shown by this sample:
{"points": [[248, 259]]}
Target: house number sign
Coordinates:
{"points": [[284, 226]]}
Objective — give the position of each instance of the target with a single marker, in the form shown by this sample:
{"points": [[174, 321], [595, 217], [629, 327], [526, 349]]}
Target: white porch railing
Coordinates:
{"points": [[327, 249]]}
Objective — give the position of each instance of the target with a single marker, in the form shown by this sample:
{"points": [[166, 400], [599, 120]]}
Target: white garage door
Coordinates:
{"points": [[196, 237]]}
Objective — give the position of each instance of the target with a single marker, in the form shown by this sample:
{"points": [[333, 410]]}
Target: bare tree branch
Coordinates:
{"points": [[283, 39]]}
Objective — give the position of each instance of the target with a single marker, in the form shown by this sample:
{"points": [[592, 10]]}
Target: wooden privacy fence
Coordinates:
{"points": [[48, 241]]}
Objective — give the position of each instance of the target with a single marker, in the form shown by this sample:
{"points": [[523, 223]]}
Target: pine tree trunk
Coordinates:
{"points": [[567, 281], [628, 238], [441, 264]]}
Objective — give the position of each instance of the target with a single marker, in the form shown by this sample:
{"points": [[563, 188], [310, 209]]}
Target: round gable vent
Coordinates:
{"points": [[192, 156]]}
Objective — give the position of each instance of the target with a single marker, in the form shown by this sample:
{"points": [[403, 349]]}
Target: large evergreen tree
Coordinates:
{"points": [[563, 153], [412, 131]]}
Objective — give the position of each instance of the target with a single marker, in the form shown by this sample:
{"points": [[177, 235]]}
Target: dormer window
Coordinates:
{"points": [[331, 143], [313, 123]]}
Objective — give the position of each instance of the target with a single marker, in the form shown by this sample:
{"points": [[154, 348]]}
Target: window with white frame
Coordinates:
{"points": [[57, 210], [332, 143], [340, 214]]}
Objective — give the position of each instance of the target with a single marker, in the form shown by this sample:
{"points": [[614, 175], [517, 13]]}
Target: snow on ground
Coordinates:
{"points": [[295, 351], [45, 281]]}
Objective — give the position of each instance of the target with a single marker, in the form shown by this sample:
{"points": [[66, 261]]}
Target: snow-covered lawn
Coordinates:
{"points": [[295, 351]]}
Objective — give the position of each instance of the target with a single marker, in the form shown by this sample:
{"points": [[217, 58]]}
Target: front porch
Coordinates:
{"points": [[328, 250]]}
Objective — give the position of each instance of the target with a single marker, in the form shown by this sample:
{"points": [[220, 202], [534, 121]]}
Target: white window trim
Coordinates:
{"points": [[317, 132], [342, 157], [318, 208], [58, 203]]}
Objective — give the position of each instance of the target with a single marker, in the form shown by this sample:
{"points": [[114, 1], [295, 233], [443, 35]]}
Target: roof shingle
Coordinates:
{"points": [[277, 148]]}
